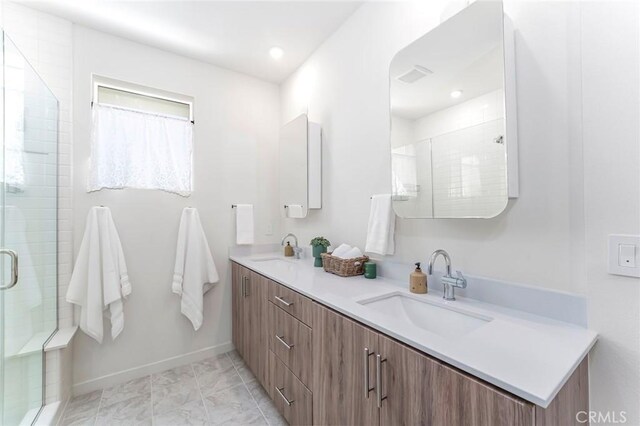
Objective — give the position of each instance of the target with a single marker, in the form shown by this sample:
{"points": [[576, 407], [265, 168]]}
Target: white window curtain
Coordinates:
{"points": [[137, 149]]}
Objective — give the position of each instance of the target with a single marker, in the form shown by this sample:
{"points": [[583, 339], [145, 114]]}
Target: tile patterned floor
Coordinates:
{"points": [[217, 391]]}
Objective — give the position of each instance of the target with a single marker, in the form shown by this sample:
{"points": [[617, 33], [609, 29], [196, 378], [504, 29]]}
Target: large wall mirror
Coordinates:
{"points": [[293, 168], [300, 167], [453, 119]]}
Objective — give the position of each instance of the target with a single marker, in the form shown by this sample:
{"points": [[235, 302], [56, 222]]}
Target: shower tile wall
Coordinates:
{"points": [[46, 42], [460, 136]]}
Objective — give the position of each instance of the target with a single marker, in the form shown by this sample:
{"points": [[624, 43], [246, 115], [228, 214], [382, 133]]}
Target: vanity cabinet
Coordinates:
{"points": [[249, 292], [291, 358], [321, 367], [271, 331], [290, 396], [417, 389], [362, 376], [344, 353]]}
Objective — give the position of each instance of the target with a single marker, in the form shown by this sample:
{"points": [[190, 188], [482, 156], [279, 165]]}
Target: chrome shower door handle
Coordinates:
{"points": [[14, 268]]}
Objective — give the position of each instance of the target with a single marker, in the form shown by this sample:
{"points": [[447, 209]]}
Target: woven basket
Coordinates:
{"points": [[343, 267]]}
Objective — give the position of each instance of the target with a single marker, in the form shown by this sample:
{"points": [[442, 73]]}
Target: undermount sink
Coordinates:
{"points": [[271, 260], [275, 261], [444, 321]]}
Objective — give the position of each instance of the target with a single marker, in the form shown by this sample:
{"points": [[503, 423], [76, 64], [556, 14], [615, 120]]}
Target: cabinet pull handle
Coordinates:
{"points": [[286, 345], [367, 389], [284, 302], [286, 401], [379, 362], [243, 288], [245, 292]]}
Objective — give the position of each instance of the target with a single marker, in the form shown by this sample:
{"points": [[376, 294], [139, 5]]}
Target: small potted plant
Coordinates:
{"points": [[319, 245]]}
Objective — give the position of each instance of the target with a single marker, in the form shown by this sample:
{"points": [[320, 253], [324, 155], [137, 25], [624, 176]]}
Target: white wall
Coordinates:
{"points": [[46, 42], [344, 85], [558, 225], [611, 135], [235, 149]]}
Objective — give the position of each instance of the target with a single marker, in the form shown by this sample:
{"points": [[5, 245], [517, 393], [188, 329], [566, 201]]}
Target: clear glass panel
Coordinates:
{"points": [[29, 227]]}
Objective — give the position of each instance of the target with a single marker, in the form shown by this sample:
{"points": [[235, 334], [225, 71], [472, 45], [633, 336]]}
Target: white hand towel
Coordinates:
{"points": [[341, 250], [195, 272], [99, 280], [244, 224], [294, 211], [382, 225], [353, 253]]}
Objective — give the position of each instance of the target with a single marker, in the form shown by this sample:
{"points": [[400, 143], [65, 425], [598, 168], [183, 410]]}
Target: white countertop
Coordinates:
{"points": [[528, 355]]}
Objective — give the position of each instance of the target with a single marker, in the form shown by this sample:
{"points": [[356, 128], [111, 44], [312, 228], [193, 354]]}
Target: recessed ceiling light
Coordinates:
{"points": [[456, 94], [276, 52]]}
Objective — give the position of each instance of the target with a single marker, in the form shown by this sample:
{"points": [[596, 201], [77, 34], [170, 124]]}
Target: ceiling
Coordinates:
{"points": [[232, 34]]}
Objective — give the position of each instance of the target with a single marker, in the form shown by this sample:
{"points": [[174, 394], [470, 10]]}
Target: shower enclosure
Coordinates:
{"points": [[28, 235]]}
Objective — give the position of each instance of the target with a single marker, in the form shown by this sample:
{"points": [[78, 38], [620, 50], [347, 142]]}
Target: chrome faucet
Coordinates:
{"points": [[296, 250], [449, 282]]}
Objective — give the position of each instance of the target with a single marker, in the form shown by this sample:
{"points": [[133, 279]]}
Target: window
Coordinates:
{"points": [[140, 138]]}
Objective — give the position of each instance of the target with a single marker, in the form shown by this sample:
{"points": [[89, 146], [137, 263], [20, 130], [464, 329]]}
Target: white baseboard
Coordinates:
{"points": [[154, 367]]}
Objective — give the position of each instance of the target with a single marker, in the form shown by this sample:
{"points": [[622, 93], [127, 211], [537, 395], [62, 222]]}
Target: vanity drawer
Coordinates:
{"points": [[292, 399], [291, 341], [288, 300]]}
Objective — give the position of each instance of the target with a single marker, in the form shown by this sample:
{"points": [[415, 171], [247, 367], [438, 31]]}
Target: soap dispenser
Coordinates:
{"points": [[418, 281], [288, 250]]}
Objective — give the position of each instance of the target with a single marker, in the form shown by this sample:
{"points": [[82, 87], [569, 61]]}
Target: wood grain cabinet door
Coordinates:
{"points": [[290, 396], [291, 341], [340, 370], [419, 390], [255, 325], [237, 308]]}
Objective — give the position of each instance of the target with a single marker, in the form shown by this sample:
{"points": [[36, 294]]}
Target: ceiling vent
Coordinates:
{"points": [[414, 74]]}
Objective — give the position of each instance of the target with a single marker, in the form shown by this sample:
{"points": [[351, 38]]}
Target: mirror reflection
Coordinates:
{"points": [[448, 150], [294, 168]]}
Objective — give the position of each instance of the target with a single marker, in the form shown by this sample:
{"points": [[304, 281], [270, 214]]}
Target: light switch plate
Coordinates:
{"points": [[624, 255]]}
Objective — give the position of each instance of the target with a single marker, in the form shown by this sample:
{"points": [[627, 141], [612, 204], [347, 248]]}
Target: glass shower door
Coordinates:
{"points": [[28, 235]]}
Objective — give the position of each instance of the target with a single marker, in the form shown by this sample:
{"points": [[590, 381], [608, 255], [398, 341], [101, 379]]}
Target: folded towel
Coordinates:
{"points": [[382, 224], [341, 250], [294, 211], [99, 280], [194, 273], [244, 224], [351, 254]]}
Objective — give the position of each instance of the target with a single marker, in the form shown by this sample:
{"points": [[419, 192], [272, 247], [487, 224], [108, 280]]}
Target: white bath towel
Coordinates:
{"points": [[382, 225], [244, 224], [294, 211], [99, 280], [194, 273]]}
